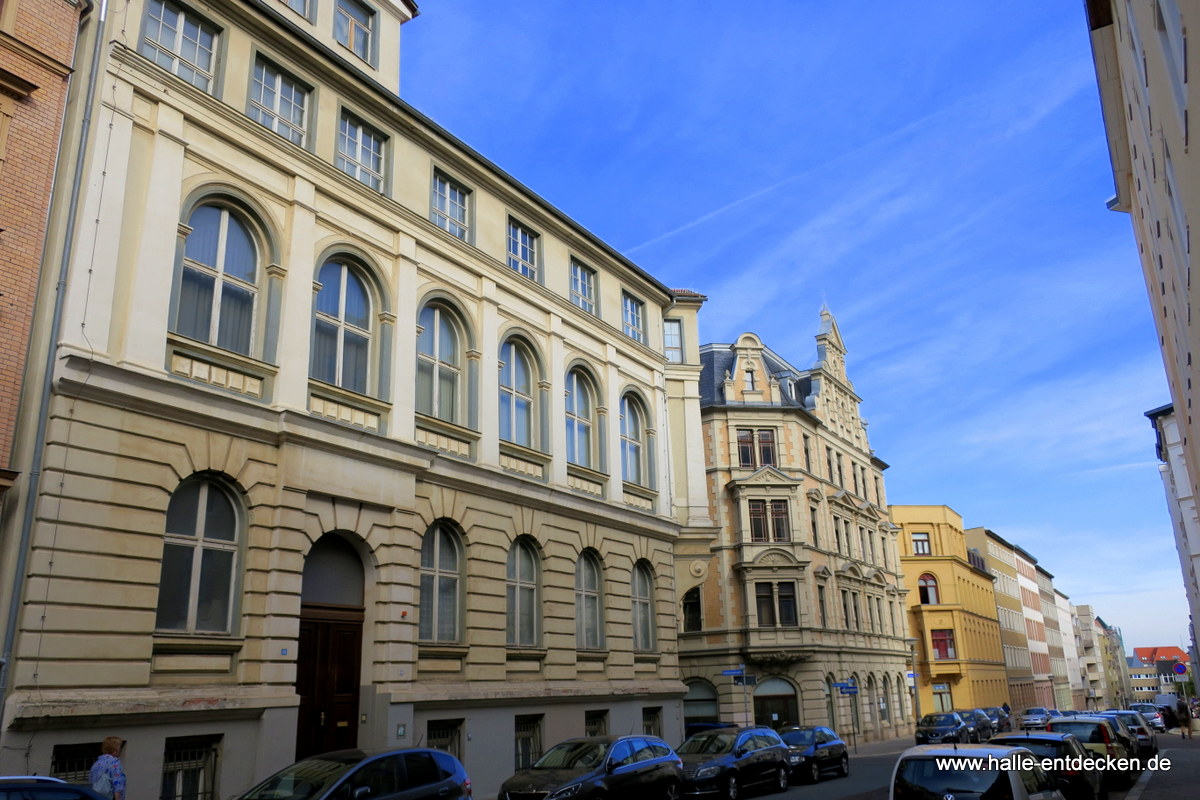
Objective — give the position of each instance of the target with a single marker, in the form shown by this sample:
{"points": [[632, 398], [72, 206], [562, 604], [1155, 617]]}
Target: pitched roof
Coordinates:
{"points": [[1149, 655]]}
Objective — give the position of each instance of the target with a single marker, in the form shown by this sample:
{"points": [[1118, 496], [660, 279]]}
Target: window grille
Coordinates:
{"points": [[445, 734], [527, 738], [189, 768], [73, 762]]}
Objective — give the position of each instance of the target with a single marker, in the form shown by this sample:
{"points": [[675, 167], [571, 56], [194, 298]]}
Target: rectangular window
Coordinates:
{"points": [[807, 454], [449, 208], [673, 341], [189, 768], [633, 317], [781, 526], [920, 544], [854, 472], [353, 24], [756, 447], [766, 448], [595, 723], [445, 734], [758, 521], [652, 721], [522, 250], [812, 523], [857, 612], [180, 43], [72, 762], [278, 101], [583, 287], [360, 151], [943, 645], [787, 604], [527, 740], [299, 6], [745, 440], [821, 607], [846, 609], [829, 463], [765, 603]]}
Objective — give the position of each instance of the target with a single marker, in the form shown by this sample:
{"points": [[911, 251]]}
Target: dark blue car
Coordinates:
{"points": [[944, 726], [814, 750]]}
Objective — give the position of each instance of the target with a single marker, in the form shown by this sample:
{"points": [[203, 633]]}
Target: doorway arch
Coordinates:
{"points": [[329, 651], [775, 703]]}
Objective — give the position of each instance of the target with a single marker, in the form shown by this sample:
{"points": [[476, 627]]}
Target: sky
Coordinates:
{"points": [[935, 173]]}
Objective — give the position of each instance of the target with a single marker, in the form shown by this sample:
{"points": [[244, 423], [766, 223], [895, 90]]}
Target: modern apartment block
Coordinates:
{"points": [[802, 590], [1001, 559], [1068, 626], [1059, 680], [952, 610], [351, 439]]}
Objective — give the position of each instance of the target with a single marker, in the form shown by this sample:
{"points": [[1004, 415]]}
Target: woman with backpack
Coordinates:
{"points": [[107, 775]]}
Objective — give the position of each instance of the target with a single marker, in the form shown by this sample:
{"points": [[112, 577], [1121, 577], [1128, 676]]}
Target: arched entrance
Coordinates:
{"points": [[329, 652], [775, 703], [700, 703]]}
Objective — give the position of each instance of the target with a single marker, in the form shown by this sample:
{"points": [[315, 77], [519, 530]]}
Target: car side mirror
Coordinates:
{"points": [[610, 765]]}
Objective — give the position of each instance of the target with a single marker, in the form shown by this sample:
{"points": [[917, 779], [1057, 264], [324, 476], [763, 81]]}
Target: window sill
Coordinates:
{"points": [[591, 655], [349, 408], [523, 460], [526, 653], [203, 643], [449, 437], [587, 480], [221, 369], [646, 658], [441, 650]]}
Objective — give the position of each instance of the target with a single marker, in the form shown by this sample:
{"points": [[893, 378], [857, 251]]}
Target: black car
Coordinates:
{"points": [[1001, 721], [724, 761], [944, 726], [1075, 784], [410, 773], [42, 787], [815, 750], [979, 724], [642, 767]]}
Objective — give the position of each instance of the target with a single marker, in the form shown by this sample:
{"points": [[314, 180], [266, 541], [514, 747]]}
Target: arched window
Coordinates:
{"points": [[633, 442], [439, 364], [441, 560], [342, 331], [643, 607], [522, 590], [516, 395], [928, 589], [589, 603], [692, 612], [218, 288], [581, 411], [200, 546]]}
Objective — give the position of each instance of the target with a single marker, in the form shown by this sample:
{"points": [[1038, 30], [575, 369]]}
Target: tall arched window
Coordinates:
{"points": [[522, 590], [516, 395], [342, 332], [693, 619], [589, 603], [581, 411], [195, 587], [633, 441], [643, 607], [927, 587], [441, 561], [218, 289], [439, 365]]}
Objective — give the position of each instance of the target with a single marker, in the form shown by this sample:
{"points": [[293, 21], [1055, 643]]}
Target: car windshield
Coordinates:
{"points": [[1039, 747], [572, 755], [801, 738], [993, 712], [708, 742], [1089, 732], [920, 779], [934, 720], [1036, 711], [302, 780]]}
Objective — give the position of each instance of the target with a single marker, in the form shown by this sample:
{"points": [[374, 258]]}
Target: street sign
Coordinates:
{"points": [[732, 671], [912, 674], [745, 680], [849, 690], [1180, 669], [843, 685]]}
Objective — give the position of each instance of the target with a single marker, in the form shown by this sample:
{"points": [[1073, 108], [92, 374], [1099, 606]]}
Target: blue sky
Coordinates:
{"points": [[935, 172]]}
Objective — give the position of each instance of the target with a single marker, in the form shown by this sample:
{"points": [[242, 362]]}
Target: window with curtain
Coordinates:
{"points": [[342, 331], [516, 395], [580, 408], [521, 588], [589, 608], [643, 607], [441, 560], [633, 441], [439, 365], [200, 544], [218, 289]]}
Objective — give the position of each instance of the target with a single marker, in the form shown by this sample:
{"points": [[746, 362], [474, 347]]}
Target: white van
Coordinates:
{"points": [[928, 772]]}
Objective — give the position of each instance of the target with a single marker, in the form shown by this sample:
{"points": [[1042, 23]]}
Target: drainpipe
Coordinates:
{"points": [[35, 467]]}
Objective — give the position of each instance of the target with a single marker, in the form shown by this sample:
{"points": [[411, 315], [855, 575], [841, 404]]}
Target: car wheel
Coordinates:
{"points": [[814, 771], [732, 791], [672, 791], [844, 766], [781, 779]]}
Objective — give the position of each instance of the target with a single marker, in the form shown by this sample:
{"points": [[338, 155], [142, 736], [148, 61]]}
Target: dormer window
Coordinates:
{"points": [[353, 24]]}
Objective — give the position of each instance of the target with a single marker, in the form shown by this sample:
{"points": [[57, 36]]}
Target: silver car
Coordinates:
{"points": [[1035, 717], [1152, 715]]}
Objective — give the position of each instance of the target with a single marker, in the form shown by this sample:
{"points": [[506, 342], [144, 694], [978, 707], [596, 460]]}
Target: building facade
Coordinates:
{"points": [[952, 612], [351, 439], [1068, 626], [802, 590], [1001, 558], [1059, 680]]}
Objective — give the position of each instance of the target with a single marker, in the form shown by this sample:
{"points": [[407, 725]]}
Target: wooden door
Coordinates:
{"points": [[328, 665]]}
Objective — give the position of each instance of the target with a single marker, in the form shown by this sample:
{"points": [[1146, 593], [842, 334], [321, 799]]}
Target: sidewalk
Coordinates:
{"points": [[1179, 782]]}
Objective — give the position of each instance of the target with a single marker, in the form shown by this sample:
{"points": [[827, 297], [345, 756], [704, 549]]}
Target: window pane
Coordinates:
{"points": [[425, 338], [194, 317], [237, 315], [523, 418], [447, 552], [447, 341], [358, 307], [181, 511], [240, 254], [447, 395], [506, 402], [425, 612], [174, 588], [354, 362], [447, 605], [219, 517], [329, 299], [212, 605], [201, 244], [324, 362]]}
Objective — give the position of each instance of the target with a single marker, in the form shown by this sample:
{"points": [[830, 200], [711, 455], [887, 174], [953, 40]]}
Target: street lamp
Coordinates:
{"points": [[912, 650]]}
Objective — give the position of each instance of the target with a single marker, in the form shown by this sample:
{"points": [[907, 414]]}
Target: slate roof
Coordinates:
{"points": [[717, 358]]}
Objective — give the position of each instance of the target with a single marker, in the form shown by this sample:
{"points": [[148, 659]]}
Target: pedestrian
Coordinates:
{"points": [[107, 775], [1007, 710], [1185, 718], [1169, 718]]}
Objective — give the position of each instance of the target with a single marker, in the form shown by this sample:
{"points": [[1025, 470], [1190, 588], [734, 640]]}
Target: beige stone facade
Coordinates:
{"points": [[802, 591], [1001, 558], [352, 441]]}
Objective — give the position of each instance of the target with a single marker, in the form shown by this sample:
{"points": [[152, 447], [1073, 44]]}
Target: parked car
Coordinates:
{"points": [[1035, 717], [696, 727], [600, 766], [1076, 784], [979, 724], [417, 772], [944, 726], [43, 787], [1099, 735], [1001, 719], [1152, 715], [1147, 740], [815, 750], [918, 775], [724, 761], [1127, 732]]}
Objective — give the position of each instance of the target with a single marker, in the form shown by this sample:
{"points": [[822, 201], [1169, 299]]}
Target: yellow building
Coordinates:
{"points": [[951, 612]]}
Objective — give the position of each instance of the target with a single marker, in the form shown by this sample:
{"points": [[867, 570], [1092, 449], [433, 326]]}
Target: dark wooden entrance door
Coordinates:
{"points": [[775, 711], [327, 678]]}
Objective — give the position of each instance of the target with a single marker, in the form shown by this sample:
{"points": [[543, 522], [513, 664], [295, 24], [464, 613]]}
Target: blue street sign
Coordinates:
{"points": [[843, 685], [732, 671], [1180, 669], [850, 690]]}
